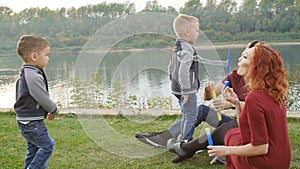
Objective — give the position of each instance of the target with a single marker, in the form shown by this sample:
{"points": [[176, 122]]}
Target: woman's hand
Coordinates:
{"points": [[219, 104], [230, 96], [216, 152], [244, 150], [209, 86]]}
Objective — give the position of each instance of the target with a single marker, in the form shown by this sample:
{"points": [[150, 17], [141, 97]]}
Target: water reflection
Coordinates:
{"points": [[144, 71], [6, 76]]}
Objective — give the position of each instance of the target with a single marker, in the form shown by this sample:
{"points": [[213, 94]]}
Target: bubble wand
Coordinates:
{"points": [[226, 83], [210, 140], [214, 95], [213, 92]]}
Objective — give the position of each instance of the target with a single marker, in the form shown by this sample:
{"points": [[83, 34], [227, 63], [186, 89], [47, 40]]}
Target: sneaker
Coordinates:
{"points": [[175, 147], [155, 139], [181, 139]]}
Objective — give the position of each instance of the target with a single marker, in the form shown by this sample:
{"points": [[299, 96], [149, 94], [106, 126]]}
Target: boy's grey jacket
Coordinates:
{"points": [[32, 98], [183, 69]]}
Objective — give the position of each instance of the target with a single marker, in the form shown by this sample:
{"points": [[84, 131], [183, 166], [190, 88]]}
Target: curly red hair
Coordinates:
{"points": [[267, 73]]}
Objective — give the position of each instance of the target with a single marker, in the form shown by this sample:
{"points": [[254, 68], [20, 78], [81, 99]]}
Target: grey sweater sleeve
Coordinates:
{"points": [[37, 90]]}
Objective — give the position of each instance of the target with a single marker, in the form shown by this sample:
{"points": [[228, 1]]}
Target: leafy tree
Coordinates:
{"points": [[117, 98], [87, 93], [159, 103], [223, 21], [192, 7], [152, 6], [5, 13], [294, 90]]}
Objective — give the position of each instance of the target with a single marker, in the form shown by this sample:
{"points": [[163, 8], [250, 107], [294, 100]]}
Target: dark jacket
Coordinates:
{"points": [[32, 98], [183, 69]]}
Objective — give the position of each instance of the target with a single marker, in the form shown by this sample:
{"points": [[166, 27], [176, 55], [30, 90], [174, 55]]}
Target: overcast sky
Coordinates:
{"points": [[19, 5]]}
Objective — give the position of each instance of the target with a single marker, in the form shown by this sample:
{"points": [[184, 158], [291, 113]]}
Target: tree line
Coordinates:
{"points": [[226, 21]]}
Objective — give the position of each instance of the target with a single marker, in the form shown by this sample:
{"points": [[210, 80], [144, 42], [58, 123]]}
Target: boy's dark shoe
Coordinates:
{"points": [[155, 139], [174, 147]]}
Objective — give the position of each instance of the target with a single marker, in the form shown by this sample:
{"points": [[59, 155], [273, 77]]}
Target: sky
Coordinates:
{"points": [[19, 5]]}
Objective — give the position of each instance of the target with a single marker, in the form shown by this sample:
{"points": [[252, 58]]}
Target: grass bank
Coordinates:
{"points": [[74, 149]]}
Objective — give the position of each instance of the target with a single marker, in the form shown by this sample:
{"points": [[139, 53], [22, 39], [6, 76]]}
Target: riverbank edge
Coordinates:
{"points": [[128, 112], [197, 46]]}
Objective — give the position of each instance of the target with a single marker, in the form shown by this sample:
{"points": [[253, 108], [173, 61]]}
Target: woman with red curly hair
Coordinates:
{"points": [[261, 140]]}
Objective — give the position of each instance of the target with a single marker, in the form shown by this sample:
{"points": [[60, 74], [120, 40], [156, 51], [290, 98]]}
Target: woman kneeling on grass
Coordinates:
{"points": [[261, 140]]}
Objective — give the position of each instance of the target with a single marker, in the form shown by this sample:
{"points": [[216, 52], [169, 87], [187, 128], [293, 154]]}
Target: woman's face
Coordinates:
{"points": [[244, 61]]}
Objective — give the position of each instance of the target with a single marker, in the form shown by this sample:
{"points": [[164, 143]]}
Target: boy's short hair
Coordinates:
{"points": [[183, 22], [28, 44]]}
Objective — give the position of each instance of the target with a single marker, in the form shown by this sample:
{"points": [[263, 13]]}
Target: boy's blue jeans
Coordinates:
{"points": [[39, 144], [189, 116]]}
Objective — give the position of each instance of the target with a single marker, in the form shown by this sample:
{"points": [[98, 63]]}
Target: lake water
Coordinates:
{"points": [[144, 72]]}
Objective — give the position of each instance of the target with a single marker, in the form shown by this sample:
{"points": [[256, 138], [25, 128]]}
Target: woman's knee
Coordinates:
{"points": [[203, 111], [229, 125]]}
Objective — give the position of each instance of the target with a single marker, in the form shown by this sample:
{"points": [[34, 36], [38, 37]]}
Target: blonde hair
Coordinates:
{"points": [[29, 44], [183, 22]]}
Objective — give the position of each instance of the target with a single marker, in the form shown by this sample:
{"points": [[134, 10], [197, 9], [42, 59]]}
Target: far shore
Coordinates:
{"points": [[197, 46], [243, 45]]}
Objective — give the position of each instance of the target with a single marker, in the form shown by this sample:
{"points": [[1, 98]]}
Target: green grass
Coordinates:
{"points": [[74, 149]]}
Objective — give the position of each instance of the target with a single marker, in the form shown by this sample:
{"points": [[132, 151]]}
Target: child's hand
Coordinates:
{"points": [[51, 116], [185, 98]]}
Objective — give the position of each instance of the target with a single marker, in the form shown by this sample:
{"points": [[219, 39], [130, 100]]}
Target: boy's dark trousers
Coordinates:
{"points": [[39, 144]]}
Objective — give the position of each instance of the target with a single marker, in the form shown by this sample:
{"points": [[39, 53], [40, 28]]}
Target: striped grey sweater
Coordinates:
{"points": [[32, 97]]}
